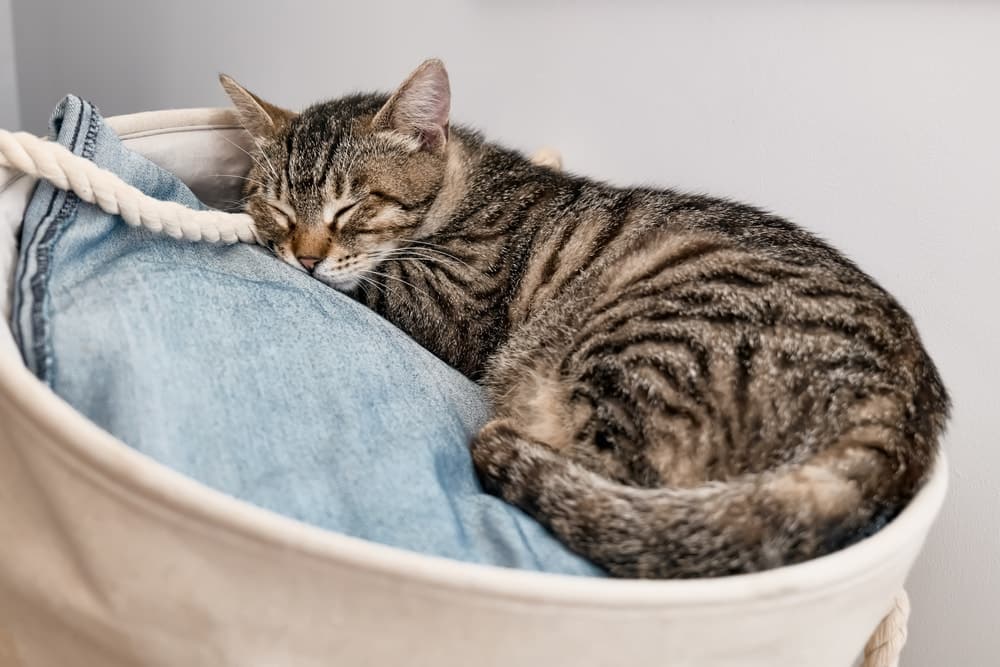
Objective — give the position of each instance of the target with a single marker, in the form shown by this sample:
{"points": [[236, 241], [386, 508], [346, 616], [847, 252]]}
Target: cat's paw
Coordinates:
{"points": [[510, 465], [494, 453]]}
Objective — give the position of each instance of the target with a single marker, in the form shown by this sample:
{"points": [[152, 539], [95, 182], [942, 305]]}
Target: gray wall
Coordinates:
{"points": [[875, 124], [10, 112]]}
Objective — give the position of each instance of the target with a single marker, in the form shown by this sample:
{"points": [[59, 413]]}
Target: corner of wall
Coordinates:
{"points": [[10, 99]]}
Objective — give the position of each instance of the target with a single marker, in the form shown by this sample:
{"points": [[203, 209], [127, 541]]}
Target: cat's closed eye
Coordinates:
{"points": [[336, 218], [390, 199], [283, 213]]}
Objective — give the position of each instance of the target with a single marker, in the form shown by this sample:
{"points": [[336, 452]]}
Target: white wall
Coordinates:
{"points": [[876, 124], [10, 113]]}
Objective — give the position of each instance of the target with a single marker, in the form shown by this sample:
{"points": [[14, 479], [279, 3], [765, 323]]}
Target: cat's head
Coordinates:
{"points": [[339, 187]]}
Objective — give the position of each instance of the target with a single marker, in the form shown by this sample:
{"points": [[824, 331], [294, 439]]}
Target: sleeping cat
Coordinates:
{"points": [[683, 386]]}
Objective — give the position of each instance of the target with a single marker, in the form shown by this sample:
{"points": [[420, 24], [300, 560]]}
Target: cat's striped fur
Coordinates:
{"points": [[684, 386]]}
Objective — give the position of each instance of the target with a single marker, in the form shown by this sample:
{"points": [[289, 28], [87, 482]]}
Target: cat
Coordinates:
{"points": [[683, 386]]}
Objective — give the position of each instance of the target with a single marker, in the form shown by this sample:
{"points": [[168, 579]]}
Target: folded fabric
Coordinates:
{"points": [[247, 375]]}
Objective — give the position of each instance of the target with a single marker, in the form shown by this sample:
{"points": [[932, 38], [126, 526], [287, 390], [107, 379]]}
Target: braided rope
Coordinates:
{"points": [[56, 164], [886, 643], [53, 162]]}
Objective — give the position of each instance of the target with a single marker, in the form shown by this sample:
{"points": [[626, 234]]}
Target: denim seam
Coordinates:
{"points": [[43, 352], [22, 267], [19, 270]]}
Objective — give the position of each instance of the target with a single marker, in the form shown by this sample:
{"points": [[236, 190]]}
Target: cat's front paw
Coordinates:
{"points": [[494, 449], [510, 465]]}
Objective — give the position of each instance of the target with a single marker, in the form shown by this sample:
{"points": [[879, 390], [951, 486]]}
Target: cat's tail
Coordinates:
{"points": [[754, 522]]}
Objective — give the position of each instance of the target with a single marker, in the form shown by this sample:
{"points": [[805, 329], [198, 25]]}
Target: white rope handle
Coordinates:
{"points": [[886, 643], [56, 164], [53, 162]]}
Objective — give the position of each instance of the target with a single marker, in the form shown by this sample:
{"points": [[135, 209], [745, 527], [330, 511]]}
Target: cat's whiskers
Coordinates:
{"points": [[424, 254], [274, 173], [383, 274], [244, 178], [420, 259], [409, 254], [435, 247], [425, 262], [234, 204], [367, 282], [271, 172]]}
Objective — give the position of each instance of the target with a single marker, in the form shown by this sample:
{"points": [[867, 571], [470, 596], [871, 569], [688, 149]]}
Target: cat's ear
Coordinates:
{"points": [[419, 108], [261, 119]]}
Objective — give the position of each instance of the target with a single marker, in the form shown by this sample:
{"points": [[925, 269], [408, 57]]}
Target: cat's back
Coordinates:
{"points": [[639, 273], [623, 265], [596, 237]]}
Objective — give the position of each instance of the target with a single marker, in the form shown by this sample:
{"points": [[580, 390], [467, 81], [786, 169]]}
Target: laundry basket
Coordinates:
{"points": [[109, 558]]}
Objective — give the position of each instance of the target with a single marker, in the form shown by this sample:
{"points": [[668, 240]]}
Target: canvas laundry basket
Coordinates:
{"points": [[110, 559]]}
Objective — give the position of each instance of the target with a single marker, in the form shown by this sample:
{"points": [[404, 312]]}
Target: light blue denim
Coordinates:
{"points": [[247, 375]]}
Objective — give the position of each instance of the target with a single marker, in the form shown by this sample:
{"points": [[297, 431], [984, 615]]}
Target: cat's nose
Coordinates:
{"points": [[308, 263]]}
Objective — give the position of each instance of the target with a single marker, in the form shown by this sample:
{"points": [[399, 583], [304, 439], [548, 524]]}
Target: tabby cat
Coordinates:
{"points": [[683, 386]]}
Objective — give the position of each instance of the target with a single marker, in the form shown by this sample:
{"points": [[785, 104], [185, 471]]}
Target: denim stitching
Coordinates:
{"points": [[43, 352], [22, 266]]}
